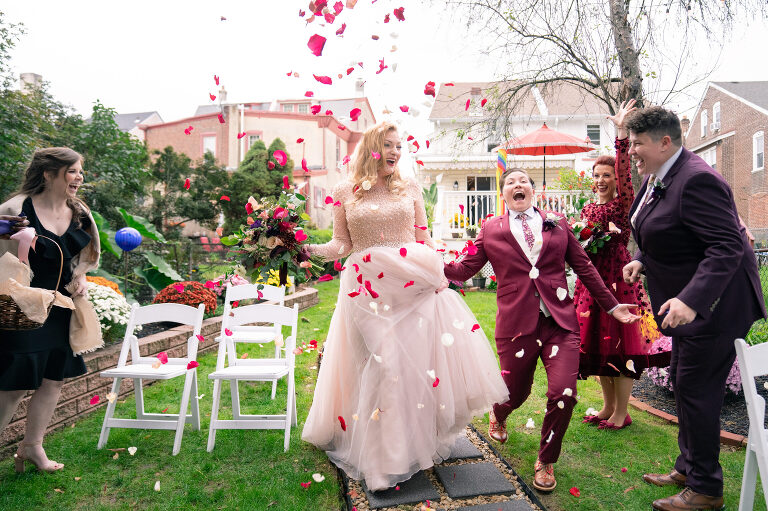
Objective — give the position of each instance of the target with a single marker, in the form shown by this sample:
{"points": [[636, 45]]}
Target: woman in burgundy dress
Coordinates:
{"points": [[616, 352]]}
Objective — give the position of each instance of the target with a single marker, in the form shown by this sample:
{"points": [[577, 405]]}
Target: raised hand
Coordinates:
{"points": [[618, 119]]}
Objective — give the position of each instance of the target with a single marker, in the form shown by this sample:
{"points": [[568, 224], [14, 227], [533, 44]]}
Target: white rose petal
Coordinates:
{"points": [[421, 322], [530, 424], [420, 406], [561, 293], [377, 358], [560, 405], [375, 414], [551, 434], [663, 372], [631, 365], [442, 406], [555, 349], [431, 373], [538, 341], [567, 392], [319, 478], [387, 307], [355, 417], [458, 324], [534, 273], [590, 411], [374, 207], [365, 185], [374, 306], [447, 339], [520, 353], [279, 343], [157, 485], [111, 396], [132, 450]]}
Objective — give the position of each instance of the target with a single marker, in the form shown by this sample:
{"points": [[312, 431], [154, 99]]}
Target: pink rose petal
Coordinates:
{"points": [[280, 157], [354, 114], [162, 357], [95, 400], [316, 44], [192, 364]]}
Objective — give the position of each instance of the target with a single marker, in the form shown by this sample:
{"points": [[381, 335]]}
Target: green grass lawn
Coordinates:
{"points": [[249, 470]]}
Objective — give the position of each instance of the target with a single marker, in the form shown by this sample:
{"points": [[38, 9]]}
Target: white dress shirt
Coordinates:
{"points": [[535, 222]]}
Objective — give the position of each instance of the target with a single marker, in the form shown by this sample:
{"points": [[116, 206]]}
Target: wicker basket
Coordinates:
{"points": [[11, 317]]}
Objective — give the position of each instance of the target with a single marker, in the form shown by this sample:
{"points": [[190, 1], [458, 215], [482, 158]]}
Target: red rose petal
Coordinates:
{"points": [[187, 184], [221, 118], [271, 165], [342, 127], [449, 84], [427, 141], [416, 143], [299, 140], [286, 184], [95, 400], [403, 252], [248, 208], [399, 13], [367, 258], [380, 275], [280, 157], [373, 293], [376, 156], [228, 332], [316, 44], [360, 278], [337, 266], [436, 382], [623, 469], [475, 327], [306, 485], [342, 423], [353, 294], [575, 492], [408, 284], [324, 79], [325, 278], [356, 267], [301, 235], [420, 162], [192, 364], [349, 70], [461, 208], [315, 109], [404, 108], [341, 30], [216, 79], [304, 165], [200, 338], [429, 89], [422, 227], [330, 18], [354, 114], [466, 107], [382, 67], [162, 357], [309, 94], [483, 102]]}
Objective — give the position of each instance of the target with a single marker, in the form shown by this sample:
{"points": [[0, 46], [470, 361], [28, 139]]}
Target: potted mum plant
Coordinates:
{"points": [[478, 280]]}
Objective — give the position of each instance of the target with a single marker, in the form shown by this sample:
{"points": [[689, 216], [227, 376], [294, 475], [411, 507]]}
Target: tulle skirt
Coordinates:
{"points": [[403, 372]]}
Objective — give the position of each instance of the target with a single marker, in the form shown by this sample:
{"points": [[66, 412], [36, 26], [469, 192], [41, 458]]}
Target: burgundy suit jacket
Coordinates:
{"points": [[518, 294], [693, 248]]}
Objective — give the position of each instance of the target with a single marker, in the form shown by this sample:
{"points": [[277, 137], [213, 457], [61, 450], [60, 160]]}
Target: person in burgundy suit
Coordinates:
{"points": [[536, 318], [704, 288]]}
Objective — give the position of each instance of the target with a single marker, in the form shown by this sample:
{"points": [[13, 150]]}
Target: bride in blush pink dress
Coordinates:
{"points": [[404, 369]]}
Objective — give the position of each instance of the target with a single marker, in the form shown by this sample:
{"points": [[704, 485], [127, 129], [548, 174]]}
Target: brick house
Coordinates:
{"points": [[133, 123], [327, 139], [728, 132]]}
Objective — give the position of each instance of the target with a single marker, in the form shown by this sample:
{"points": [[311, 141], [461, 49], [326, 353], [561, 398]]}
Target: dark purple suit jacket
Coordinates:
{"points": [[517, 297], [693, 248]]}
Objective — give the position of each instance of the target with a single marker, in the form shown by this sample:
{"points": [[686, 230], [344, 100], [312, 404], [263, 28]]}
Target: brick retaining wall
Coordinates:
{"points": [[77, 392]]}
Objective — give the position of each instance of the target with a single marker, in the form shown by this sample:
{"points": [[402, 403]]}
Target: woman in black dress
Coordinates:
{"points": [[40, 359]]}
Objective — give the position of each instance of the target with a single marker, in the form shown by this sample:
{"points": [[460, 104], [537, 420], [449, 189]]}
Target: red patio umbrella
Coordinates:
{"points": [[545, 141]]}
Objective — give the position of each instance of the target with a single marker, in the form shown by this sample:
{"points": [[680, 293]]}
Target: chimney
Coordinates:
{"points": [[685, 123], [222, 95], [28, 82], [360, 88]]}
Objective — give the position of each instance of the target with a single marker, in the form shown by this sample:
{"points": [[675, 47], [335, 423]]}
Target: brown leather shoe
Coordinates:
{"points": [[674, 478], [497, 430], [687, 500], [544, 476]]}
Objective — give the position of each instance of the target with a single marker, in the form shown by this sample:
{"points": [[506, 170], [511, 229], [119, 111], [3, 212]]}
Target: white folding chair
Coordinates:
{"points": [[141, 368], [753, 362], [263, 369]]}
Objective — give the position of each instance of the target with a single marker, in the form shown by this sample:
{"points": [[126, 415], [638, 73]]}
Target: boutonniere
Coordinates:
{"points": [[658, 190], [551, 221]]}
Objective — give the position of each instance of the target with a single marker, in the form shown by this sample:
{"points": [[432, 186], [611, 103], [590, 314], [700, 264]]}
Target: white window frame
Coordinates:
{"points": [[252, 139], [703, 121], [287, 107], [596, 152], [211, 150], [716, 112], [302, 108], [756, 149]]}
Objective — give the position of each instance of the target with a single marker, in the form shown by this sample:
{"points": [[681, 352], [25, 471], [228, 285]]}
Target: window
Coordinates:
{"points": [[478, 206], [338, 151], [703, 124], [209, 144], [303, 108], [710, 156], [287, 107], [593, 133], [252, 140], [716, 113], [758, 151]]}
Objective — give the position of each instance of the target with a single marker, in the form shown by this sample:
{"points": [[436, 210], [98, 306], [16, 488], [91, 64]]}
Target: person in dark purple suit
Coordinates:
{"points": [[704, 288]]}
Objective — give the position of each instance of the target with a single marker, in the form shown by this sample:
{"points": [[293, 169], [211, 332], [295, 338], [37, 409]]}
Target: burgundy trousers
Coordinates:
{"points": [[559, 352]]}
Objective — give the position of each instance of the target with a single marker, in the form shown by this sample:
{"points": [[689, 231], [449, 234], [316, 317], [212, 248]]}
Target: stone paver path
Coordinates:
{"points": [[472, 478]]}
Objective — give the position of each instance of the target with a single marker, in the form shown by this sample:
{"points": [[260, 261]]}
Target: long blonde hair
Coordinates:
{"points": [[366, 168]]}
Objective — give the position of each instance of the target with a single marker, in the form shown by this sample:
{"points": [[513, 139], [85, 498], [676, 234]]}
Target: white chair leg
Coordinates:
{"points": [[235, 393], [182, 414], [195, 408], [214, 414], [274, 389], [295, 420], [289, 411], [104, 436], [748, 481], [138, 390]]}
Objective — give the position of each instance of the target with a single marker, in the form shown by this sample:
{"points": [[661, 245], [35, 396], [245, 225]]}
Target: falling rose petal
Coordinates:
{"points": [[575, 492], [306, 485], [324, 79], [585, 314], [280, 157], [567, 392], [475, 327], [309, 94], [520, 353], [271, 165], [458, 324], [534, 273], [304, 165], [560, 404], [329, 112], [315, 109], [447, 339], [240, 135], [199, 337], [342, 127], [631, 365], [466, 106], [403, 252], [360, 278], [375, 37], [192, 364], [436, 382], [416, 145], [325, 278], [408, 284], [366, 185], [366, 258], [318, 478], [316, 44], [373, 293], [382, 67], [330, 18], [353, 294], [429, 89], [449, 84], [399, 13], [95, 400], [427, 142], [216, 79], [561, 293], [349, 70], [504, 372], [111, 397], [354, 114], [213, 97], [483, 102], [342, 423], [337, 203], [341, 30], [404, 108], [380, 275], [162, 357], [179, 287], [221, 118], [228, 332], [422, 227], [375, 414], [376, 156], [299, 140], [157, 483], [289, 73], [329, 199], [386, 18], [555, 349], [187, 184], [337, 265], [461, 208], [286, 184]]}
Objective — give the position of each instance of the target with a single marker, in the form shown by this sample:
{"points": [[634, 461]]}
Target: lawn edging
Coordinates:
{"points": [[76, 393]]}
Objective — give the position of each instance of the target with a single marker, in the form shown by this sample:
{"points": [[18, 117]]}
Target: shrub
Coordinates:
{"points": [[112, 310], [660, 375], [101, 281], [188, 293]]}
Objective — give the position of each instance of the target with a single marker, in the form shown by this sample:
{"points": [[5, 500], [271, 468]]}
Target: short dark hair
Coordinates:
{"points": [[514, 169], [656, 122]]}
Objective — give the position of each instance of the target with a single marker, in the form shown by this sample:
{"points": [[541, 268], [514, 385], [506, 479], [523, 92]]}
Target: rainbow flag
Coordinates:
{"points": [[501, 166]]}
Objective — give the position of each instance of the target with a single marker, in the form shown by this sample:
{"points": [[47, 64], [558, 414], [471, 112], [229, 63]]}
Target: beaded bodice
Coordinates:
{"points": [[379, 218]]}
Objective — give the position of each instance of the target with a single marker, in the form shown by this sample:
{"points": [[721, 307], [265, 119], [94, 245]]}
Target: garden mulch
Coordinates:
{"points": [[733, 417]]}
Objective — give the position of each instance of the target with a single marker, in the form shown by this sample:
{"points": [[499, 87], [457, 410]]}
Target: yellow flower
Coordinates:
{"points": [[273, 280]]}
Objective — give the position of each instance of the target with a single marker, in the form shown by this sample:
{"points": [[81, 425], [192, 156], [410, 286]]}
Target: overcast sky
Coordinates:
{"points": [[162, 54]]}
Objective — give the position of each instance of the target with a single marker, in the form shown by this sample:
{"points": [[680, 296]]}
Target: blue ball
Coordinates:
{"points": [[127, 238]]}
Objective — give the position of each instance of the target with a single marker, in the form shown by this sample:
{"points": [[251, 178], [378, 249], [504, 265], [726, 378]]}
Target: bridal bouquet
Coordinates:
{"points": [[271, 239], [591, 235]]}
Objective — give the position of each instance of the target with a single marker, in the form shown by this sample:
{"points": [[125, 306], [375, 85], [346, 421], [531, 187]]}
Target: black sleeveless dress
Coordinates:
{"points": [[26, 357]]}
